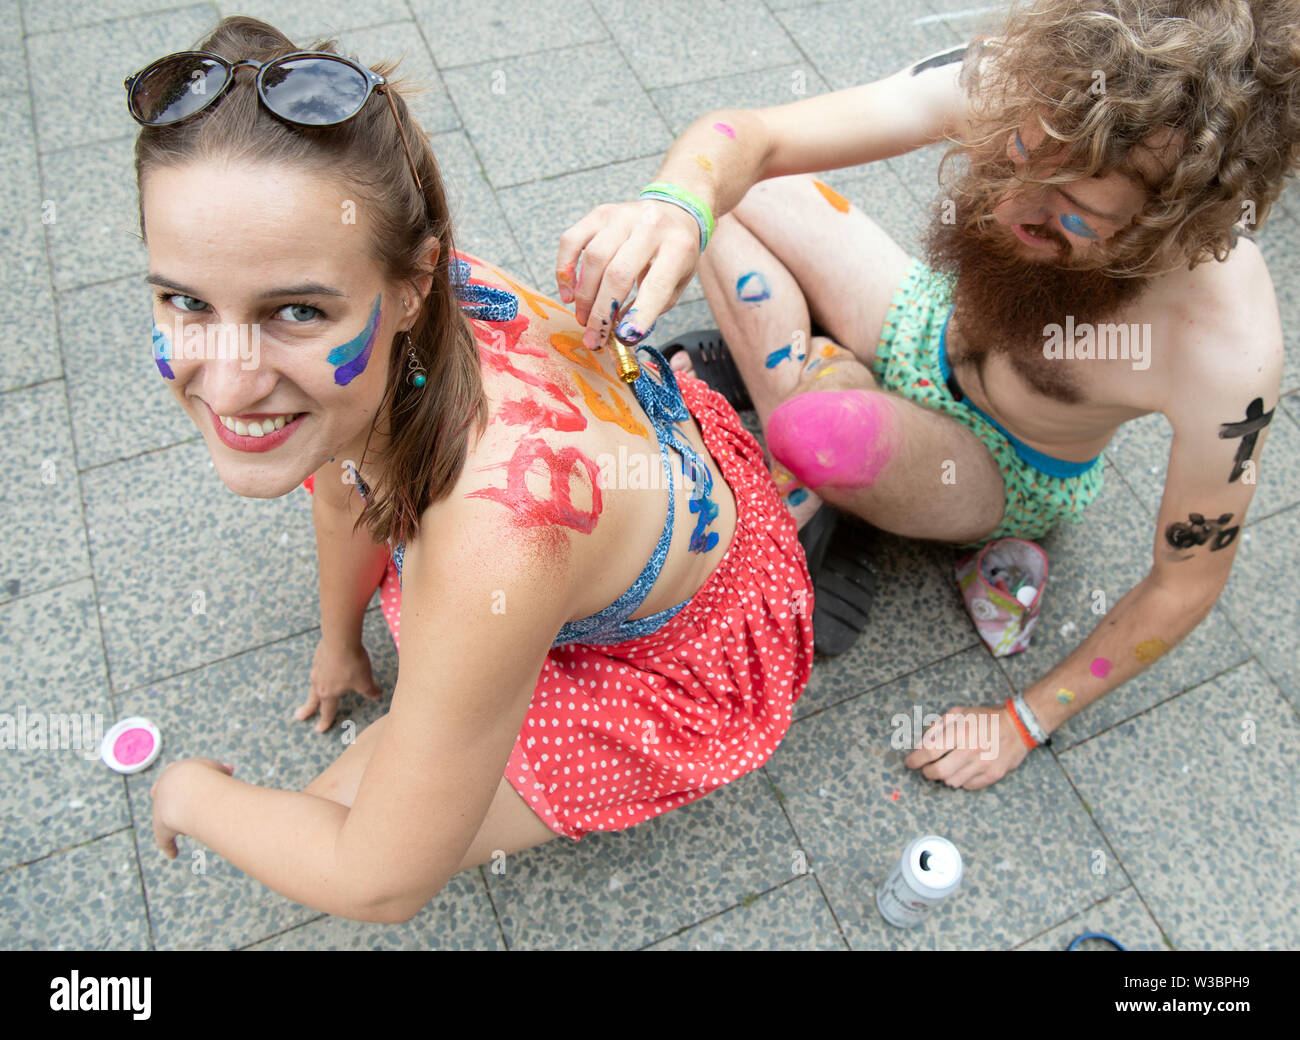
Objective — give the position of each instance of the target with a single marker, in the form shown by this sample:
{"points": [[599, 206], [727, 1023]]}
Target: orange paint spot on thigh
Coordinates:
{"points": [[833, 197], [704, 162], [1150, 650]]}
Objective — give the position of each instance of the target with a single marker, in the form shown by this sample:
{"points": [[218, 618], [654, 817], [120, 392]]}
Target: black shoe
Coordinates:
{"points": [[843, 582], [713, 365]]}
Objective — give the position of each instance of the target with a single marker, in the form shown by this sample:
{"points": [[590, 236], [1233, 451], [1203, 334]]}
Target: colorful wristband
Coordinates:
{"points": [[665, 192], [1030, 720], [1020, 726]]}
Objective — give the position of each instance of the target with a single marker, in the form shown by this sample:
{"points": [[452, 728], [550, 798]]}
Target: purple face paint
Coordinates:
{"points": [[777, 356], [1101, 667], [162, 352], [351, 358], [834, 438], [752, 287], [725, 128]]}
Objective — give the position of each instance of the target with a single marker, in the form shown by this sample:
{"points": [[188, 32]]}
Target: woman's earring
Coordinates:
{"points": [[416, 375]]}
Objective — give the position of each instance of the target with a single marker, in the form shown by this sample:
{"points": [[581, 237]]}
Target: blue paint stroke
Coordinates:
{"points": [[701, 502], [777, 356], [752, 288], [630, 333], [1072, 222], [351, 358], [162, 352], [797, 496]]}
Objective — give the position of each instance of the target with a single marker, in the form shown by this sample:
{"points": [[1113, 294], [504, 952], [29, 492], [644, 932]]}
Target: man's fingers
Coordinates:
{"points": [[572, 243], [966, 775], [595, 258], [308, 709], [659, 287]]}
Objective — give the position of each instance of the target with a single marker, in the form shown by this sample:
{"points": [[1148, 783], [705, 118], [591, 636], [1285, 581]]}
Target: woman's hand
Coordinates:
{"points": [[167, 793], [335, 669], [650, 245]]}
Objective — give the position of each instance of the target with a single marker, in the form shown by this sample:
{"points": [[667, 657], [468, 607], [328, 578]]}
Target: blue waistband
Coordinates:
{"points": [[1052, 466]]}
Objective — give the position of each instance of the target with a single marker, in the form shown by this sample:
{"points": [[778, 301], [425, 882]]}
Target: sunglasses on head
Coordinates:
{"points": [[305, 88]]}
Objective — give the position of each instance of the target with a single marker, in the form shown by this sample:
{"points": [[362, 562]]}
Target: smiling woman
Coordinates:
{"points": [[578, 653]]}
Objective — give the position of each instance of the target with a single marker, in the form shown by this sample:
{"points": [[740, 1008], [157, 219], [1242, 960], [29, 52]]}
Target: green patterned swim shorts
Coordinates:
{"points": [[912, 360]]}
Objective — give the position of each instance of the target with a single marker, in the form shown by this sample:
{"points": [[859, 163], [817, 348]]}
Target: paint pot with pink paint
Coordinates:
{"points": [[131, 745], [928, 873]]}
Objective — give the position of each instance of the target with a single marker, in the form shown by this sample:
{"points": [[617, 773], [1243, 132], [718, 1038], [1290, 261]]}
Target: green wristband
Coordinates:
{"points": [[665, 192]]}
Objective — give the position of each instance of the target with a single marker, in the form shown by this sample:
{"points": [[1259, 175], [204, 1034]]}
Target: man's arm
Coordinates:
{"points": [[1220, 422]]}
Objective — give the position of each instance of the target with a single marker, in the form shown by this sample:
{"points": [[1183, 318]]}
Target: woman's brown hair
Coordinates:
{"points": [[1099, 77], [427, 426]]}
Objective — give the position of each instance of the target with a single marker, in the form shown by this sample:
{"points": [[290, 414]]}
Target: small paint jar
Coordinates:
{"points": [[131, 745], [928, 872]]}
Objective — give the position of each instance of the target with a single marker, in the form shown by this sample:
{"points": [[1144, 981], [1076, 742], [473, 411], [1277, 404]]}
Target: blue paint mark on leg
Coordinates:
{"points": [[752, 288], [797, 496], [777, 356]]}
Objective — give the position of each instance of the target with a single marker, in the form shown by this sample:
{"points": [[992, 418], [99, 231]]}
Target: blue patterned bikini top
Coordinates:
{"points": [[664, 407]]}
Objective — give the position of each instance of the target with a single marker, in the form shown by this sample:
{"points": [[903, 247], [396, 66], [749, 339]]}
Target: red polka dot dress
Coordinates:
{"points": [[619, 734]]}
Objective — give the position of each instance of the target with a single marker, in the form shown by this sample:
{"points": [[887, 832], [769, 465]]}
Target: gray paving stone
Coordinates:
{"points": [[86, 898], [44, 537], [916, 618], [687, 38], [548, 128], [1026, 842], [793, 917], [54, 791], [853, 42], [120, 404], [239, 711], [503, 28], [626, 889], [1140, 452], [1261, 601], [1194, 796], [478, 225], [1281, 248], [784, 84], [95, 236], [1110, 552], [163, 530], [91, 106], [459, 918], [27, 327], [308, 21], [13, 65], [431, 107], [1121, 916]]}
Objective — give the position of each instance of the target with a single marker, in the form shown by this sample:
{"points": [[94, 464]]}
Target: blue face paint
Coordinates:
{"points": [[1073, 223], [351, 358], [752, 288], [162, 352], [1021, 145]]}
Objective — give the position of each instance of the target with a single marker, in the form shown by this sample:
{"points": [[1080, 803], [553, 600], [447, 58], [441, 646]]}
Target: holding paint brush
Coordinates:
{"points": [[579, 652]]}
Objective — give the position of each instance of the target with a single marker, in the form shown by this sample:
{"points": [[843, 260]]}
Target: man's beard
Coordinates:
{"points": [[1002, 301]]}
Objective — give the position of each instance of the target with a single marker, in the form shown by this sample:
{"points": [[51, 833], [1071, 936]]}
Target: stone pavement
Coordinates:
{"points": [[1150, 818]]}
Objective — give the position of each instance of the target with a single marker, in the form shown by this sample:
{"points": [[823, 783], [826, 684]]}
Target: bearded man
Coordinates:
{"points": [[1085, 266]]}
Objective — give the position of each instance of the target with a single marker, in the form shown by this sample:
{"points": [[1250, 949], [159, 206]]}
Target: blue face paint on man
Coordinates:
{"points": [[1073, 223], [350, 359], [162, 352]]}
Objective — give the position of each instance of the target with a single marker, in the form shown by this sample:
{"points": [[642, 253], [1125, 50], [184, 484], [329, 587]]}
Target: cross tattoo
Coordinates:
{"points": [[1248, 431]]}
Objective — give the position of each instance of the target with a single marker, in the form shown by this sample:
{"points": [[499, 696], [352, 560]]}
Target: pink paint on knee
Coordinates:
{"points": [[834, 438], [1101, 667]]}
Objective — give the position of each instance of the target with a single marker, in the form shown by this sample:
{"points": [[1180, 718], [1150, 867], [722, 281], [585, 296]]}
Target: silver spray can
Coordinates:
{"points": [[928, 873]]}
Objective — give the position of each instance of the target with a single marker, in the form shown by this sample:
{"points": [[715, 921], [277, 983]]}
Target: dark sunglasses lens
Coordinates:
{"points": [[176, 88], [314, 91]]}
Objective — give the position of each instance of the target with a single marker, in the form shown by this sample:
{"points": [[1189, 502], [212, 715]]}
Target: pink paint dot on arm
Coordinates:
{"points": [[725, 128], [1101, 667]]}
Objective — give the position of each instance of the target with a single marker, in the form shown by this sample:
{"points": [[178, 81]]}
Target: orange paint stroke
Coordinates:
{"points": [[704, 162], [573, 349], [833, 197], [532, 299], [496, 342]]}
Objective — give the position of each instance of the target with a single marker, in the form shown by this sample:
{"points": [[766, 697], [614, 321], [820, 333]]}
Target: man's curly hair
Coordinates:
{"points": [[1101, 77]]}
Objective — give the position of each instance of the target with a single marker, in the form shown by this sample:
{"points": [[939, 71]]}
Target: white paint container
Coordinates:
{"points": [[928, 872]]}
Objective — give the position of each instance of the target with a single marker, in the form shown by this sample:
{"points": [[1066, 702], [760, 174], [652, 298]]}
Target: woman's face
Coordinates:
{"points": [[269, 316]]}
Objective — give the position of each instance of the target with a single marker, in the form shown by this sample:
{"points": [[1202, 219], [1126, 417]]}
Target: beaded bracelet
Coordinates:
{"points": [[665, 192]]}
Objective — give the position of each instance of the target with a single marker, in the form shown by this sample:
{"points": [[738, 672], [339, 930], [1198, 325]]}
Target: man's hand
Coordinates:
{"points": [[950, 749], [648, 243]]}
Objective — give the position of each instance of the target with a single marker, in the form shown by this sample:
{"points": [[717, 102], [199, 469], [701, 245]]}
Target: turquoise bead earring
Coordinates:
{"points": [[416, 376]]}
